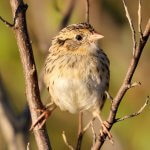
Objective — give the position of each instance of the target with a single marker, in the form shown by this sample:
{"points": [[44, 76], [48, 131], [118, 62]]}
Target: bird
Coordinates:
{"points": [[76, 71]]}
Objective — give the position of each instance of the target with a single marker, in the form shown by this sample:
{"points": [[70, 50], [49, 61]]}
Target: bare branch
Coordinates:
{"points": [[6, 22], [131, 26], [30, 73], [68, 14], [140, 19], [80, 132], [124, 87], [66, 142], [12, 25], [87, 11], [134, 114], [134, 84], [56, 6]]}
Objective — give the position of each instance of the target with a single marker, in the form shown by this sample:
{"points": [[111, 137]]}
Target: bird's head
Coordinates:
{"points": [[80, 37]]}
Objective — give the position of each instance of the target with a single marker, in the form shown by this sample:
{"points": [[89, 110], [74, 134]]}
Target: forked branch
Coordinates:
{"points": [[137, 51], [29, 68], [134, 114], [6, 22], [140, 19]]}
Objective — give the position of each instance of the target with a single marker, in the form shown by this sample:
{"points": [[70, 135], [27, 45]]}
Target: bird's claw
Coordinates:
{"points": [[45, 113], [105, 131], [42, 118]]}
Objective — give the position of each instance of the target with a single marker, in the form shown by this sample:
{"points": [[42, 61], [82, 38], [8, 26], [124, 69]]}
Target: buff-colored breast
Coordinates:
{"points": [[76, 82]]}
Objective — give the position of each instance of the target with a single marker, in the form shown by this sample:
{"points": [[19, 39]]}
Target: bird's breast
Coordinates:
{"points": [[75, 83]]}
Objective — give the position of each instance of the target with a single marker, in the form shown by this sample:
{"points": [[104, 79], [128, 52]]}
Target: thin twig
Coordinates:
{"points": [[134, 114], [80, 122], [66, 142], [56, 6], [131, 26], [6, 22], [80, 132], [17, 11], [140, 19], [134, 84], [67, 15], [87, 11]]}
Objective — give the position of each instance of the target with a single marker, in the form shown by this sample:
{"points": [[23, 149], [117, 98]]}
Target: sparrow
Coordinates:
{"points": [[76, 71]]}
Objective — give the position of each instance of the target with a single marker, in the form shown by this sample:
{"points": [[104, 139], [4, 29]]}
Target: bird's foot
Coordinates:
{"points": [[45, 113], [105, 130]]}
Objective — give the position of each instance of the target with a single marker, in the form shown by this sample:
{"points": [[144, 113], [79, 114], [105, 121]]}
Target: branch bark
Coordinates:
{"points": [[80, 132], [125, 85], [29, 68], [68, 14]]}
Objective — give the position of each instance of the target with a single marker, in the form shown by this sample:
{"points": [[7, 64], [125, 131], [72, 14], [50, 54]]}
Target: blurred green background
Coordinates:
{"points": [[108, 18]]}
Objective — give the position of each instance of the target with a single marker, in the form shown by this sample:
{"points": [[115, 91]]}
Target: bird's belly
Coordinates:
{"points": [[73, 95]]}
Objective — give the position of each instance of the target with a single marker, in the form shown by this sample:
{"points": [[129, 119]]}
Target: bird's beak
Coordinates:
{"points": [[96, 36]]}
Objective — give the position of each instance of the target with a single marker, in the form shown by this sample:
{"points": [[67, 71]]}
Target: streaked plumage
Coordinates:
{"points": [[77, 70]]}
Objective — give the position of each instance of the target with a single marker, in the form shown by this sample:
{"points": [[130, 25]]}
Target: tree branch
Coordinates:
{"points": [[12, 25], [131, 26], [140, 19], [68, 14], [6, 22], [133, 114], [29, 68], [80, 132], [125, 85], [87, 11]]}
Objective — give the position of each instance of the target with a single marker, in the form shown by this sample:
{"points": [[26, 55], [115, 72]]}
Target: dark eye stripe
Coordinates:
{"points": [[61, 42]]}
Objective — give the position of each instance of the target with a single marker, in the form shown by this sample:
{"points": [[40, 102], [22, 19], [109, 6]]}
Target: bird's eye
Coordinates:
{"points": [[79, 37]]}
